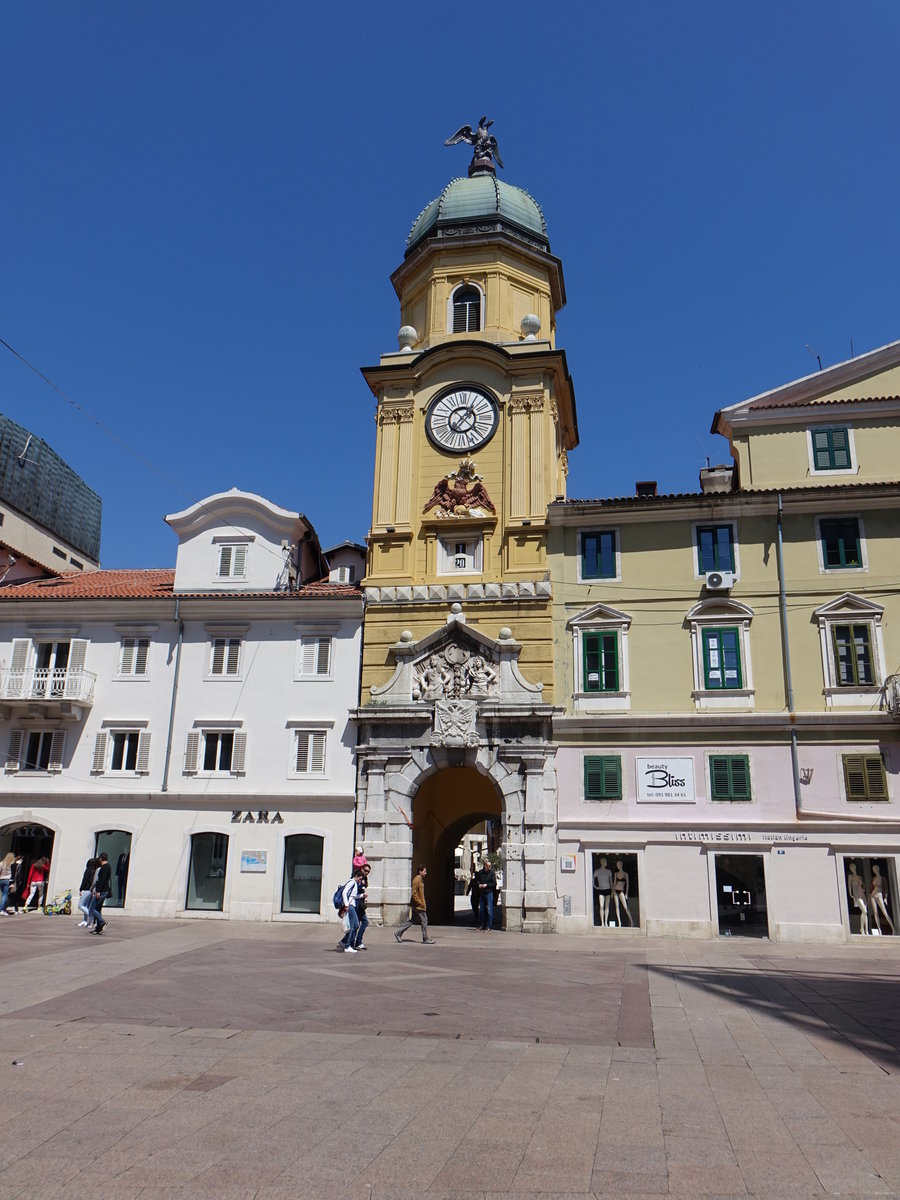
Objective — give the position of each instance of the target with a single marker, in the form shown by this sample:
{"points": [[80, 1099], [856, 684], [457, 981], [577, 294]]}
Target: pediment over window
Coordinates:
{"points": [[457, 663], [599, 614], [848, 605], [720, 609]]}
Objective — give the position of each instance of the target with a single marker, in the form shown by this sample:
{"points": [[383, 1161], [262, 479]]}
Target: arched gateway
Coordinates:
{"points": [[455, 736]]}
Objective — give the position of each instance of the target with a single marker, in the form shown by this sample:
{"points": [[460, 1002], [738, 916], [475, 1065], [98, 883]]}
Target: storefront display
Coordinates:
{"points": [[615, 888], [870, 885]]}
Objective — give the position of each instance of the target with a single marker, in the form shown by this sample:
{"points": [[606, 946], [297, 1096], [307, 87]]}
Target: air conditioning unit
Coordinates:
{"points": [[719, 581]]}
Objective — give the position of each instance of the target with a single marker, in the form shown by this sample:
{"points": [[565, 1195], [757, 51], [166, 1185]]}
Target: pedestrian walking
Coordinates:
{"points": [[348, 907], [361, 891], [36, 883], [486, 882], [91, 867], [417, 911], [101, 889], [472, 892], [17, 886], [6, 867]]}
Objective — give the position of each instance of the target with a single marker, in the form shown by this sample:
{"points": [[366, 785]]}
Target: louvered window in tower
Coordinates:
{"points": [[466, 310]]}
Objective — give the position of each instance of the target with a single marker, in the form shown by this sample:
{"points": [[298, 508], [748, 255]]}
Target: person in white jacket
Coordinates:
{"points": [[348, 896]]}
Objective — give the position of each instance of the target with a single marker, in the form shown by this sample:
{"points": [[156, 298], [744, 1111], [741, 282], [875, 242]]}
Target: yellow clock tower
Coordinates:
{"points": [[475, 417]]}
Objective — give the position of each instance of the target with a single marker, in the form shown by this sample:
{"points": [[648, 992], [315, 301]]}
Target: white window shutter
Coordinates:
{"points": [[126, 662], [77, 654], [99, 764], [317, 756], [218, 657], [14, 753], [18, 663], [301, 762], [323, 656], [143, 754], [191, 750], [224, 562], [307, 655], [234, 656], [57, 745], [239, 568], [141, 654], [239, 753]]}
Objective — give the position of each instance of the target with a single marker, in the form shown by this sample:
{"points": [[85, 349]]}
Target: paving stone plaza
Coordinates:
{"points": [[225, 1060]]}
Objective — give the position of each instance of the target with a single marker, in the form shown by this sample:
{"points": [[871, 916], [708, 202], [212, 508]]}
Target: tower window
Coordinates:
{"points": [[466, 310]]}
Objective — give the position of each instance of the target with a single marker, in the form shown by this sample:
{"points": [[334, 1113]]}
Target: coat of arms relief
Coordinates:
{"points": [[454, 673]]}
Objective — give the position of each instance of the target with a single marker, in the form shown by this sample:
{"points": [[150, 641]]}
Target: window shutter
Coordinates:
{"points": [[218, 657], [234, 656], [718, 777], [603, 777], [57, 745], [142, 654], [317, 757], [77, 654], [740, 777], [239, 753], [14, 753], [191, 750], [143, 754], [301, 761], [323, 658], [239, 561], [876, 781], [18, 662], [612, 777], [99, 764], [126, 662], [854, 777]]}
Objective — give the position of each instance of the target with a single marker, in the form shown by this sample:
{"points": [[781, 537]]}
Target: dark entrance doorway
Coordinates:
{"points": [[446, 807], [32, 842], [741, 895]]}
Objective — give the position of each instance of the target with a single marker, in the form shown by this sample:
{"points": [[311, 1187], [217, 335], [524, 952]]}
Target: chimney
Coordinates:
{"points": [[716, 479], [645, 487]]}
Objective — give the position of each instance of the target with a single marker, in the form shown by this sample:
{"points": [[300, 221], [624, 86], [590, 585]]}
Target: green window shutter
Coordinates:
{"points": [[865, 777], [840, 449], [740, 777], [729, 777], [855, 777], [876, 779], [602, 777], [719, 777]]}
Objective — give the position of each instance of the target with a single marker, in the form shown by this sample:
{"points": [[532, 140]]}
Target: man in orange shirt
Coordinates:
{"points": [[417, 909]]}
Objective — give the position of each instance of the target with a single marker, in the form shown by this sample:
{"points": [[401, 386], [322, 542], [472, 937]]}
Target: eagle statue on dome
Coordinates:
{"points": [[485, 149]]}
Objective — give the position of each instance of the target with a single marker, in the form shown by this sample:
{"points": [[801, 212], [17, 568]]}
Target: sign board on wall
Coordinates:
{"points": [[254, 861], [665, 780]]}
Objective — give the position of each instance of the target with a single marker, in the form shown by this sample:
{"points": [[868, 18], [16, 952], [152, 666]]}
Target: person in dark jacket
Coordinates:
{"points": [[17, 883], [486, 883], [100, 891], [91, 867]]}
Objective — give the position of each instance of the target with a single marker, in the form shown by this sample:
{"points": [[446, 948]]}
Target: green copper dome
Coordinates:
{"points": [[480, 204]]}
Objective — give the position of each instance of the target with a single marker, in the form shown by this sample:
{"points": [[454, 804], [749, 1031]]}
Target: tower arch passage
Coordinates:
{"points": [[445, 807]]}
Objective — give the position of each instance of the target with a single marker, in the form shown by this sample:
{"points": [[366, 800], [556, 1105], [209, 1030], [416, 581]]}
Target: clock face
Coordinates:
{"points": [[461, 420]]}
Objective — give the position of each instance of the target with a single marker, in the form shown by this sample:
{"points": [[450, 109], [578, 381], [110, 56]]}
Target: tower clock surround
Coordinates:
{"points": [[461, 418]]}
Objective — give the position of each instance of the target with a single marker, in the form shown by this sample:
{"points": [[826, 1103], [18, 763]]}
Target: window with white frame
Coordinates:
{"points": [[600, 659], [852, 647], [460, 556], [121, 752], [134, 655], [314, 656], [841, 544], [232, 560], [215, 752], [38, 750], [720, 651], [831, 450], [225, 657], [309, 752]]}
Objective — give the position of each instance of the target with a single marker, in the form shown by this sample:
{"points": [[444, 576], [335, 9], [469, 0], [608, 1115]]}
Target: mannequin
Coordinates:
{"points": [[620, 893], [876, 898], [603, 885], [857, 892]]}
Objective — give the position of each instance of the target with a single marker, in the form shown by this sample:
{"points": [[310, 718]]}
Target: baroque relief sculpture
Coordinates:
{"points": [[460, 494], [455, 724], [453, 674]]}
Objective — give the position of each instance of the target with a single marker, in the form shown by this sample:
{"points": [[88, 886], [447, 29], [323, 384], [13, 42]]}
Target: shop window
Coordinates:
{"points": [[864, 777], [841, 543], [729, 777], [602, 777], [117, 844], [614, 879], [301, 890], [871, 885], [599, 555], [206, 874]]}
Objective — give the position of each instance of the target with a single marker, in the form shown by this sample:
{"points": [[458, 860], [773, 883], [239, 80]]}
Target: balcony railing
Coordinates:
{"points": [[43, 684]]}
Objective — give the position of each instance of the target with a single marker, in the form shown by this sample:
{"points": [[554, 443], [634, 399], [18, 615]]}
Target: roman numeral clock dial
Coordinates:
{"points": [[460, 420]]}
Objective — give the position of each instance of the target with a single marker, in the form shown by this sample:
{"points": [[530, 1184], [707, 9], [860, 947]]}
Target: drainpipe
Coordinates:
{"points": [[786, 655], [178, 645]]}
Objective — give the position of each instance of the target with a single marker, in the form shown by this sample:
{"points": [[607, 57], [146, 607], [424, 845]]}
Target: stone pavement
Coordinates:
{"points": [[219, 1060]]}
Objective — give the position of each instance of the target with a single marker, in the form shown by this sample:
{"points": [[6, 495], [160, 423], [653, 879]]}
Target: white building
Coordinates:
{"points": [[192, 723]]}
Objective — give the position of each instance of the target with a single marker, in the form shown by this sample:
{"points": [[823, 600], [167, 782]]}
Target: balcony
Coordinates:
{"points": [[47, 691]]}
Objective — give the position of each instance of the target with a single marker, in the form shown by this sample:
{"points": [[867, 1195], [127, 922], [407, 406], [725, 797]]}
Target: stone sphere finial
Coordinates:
{"points": [[530, 326], [505, 634], [406, 635], [407, 337]]}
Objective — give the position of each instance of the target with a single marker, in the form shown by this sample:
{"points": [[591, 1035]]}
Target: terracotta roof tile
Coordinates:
{"points": [[805, 402], [150, 584]]}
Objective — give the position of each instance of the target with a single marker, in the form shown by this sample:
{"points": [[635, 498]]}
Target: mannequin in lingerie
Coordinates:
{"points": [[876, 898], [620, 893], [857, 892], [603, 887]]}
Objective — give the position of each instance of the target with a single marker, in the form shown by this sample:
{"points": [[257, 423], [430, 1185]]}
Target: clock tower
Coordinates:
{"points": [[475, 416]]}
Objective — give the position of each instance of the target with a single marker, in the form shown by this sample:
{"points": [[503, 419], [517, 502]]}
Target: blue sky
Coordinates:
{"points": [[202, 203]]}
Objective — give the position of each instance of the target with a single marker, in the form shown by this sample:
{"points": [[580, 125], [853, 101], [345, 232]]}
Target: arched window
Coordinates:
{"points": [[302, 884], [466, 310]]}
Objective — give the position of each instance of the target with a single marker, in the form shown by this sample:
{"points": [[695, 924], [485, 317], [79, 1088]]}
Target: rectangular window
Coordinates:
{"points": [[232, 562], [215, 752], [831, 449], [602, 777], [598, 555], [218, 749], [225, 657], [715, 548], [601, 662], [852, 655], [840, 542], [729, 777], [134, 655], [721, 659], [35, 750], [309, 755], [315, 655], [865, 777], [124, 751]]}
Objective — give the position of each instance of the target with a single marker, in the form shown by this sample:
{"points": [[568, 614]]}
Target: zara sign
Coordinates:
{"points": [[665, 780]]}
